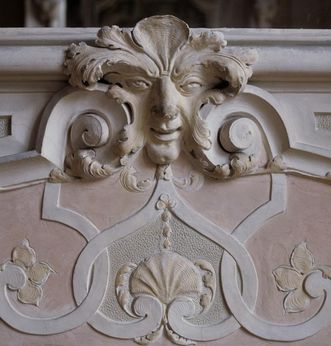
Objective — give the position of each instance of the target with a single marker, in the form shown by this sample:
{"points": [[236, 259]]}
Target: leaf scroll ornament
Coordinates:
{"points": [[36, 272], [290, 279]]}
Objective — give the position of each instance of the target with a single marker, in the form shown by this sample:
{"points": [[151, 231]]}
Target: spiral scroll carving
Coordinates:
{"points": [[89, 131]]}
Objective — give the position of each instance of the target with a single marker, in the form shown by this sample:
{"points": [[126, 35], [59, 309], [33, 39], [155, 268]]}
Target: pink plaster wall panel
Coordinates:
{"points": [[54, 243], [87, 336], [227, 203], [306, 219], [106, 202], [162, 249]]}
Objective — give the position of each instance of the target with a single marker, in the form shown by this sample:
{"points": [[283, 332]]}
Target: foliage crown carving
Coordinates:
{"points": [[163, 74]]}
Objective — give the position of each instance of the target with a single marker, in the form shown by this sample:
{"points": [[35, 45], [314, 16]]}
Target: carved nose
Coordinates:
{"points": [[168, 112]]}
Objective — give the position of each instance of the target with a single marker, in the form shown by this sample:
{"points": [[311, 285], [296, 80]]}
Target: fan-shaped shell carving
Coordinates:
{"points": [[166, 275]]}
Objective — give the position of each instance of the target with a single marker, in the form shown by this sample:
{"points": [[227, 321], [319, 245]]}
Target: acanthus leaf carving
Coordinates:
{"points": [[194, 181], [57, 175], [177, 339], [123, 294], [155, 335], [131, 183], [163, 89], [277, 164], [162, 75]]}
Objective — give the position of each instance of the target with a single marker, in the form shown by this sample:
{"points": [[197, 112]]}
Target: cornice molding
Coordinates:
{"points": [[42, 51], [166, 91], [130, 94]]}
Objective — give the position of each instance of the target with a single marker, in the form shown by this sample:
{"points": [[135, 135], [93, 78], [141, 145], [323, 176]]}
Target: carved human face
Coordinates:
{"points": [[165, 122], [165, 106], [162, 75], [161, 114]]}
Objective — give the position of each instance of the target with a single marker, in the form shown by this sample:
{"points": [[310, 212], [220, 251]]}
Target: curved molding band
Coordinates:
{"points": [[143, 97]]}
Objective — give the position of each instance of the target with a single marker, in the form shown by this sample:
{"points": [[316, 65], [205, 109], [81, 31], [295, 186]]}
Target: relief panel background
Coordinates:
{"points": [[306, 218], [288, 101]]}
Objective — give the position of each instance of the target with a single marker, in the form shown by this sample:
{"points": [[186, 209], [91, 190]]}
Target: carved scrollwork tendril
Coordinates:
{"points": [[165, 74], [130, 181], [89, 131]]}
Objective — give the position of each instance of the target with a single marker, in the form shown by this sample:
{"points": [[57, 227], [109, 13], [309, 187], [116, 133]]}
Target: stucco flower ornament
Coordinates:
{"points": [[36, 273], [291, 279]]}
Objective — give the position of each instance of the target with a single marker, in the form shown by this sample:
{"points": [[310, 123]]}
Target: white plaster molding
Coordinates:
{"points": [[275, 331], [51, 325], [276, 134], [279, 51], [158, 82], [147, 309], [275, 206], [52, 211], [181, 327], [148, 89]]}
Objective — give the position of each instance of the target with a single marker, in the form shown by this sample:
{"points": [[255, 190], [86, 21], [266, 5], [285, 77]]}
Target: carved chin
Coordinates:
{"points": [[163, 153]]}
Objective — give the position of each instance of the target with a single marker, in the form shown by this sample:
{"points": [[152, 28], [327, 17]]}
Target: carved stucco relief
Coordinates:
{"points": [[161, 89], [293, 279], [162, 75], [171, 85], [36, 273], [166, 279]]}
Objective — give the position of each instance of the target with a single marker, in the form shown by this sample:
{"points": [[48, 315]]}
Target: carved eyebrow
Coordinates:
{"points": [[197, 71], [127, 70]]}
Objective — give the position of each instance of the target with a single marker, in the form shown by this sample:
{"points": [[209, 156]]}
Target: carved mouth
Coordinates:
{"points": [[166, 135]]}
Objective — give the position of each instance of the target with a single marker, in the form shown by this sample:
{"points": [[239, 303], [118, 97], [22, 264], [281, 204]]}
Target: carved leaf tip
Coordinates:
{"points": [[57, 175], [177, 339], [287, 278], [36, 273], [277, 164], [130, 181], [30, 294], [114, 38], [296, 301], [242, 163], [208, 39], [145, 340], [326, 271], [302, 259], [201, 133], [24, 255]]}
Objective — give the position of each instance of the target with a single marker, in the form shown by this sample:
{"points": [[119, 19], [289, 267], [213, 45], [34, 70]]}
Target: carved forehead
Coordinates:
{"points": [[125, 70], [157, 45]]}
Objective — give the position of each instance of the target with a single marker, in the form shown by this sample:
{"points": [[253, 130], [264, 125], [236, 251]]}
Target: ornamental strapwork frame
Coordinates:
{"points": [[161, 96]]}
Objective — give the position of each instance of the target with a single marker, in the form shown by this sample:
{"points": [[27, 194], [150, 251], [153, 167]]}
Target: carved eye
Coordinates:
{"points": [[138, 84], [191, 86]]}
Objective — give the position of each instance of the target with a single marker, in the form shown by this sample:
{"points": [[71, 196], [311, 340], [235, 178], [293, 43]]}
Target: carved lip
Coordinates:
{"points": [[166, 135]]}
